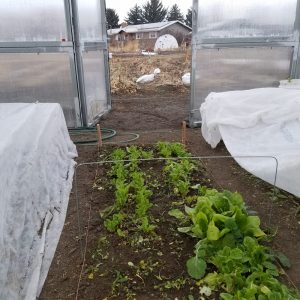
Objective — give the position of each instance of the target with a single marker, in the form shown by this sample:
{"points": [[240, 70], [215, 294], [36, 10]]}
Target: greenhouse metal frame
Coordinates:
{"points": [[211, 40], [86, 109]]}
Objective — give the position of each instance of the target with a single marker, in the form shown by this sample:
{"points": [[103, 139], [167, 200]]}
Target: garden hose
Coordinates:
{"points": [[107, 133], [135, 137]]}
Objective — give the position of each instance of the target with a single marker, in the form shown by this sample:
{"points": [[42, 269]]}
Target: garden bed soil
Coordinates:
{"points": [[158, 270], [161, 259]]}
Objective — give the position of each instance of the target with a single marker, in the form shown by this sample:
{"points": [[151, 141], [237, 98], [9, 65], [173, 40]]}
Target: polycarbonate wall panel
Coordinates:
{"points": [[61, 72], [246, 18], [32, 20], [90, 23], [94, 71], [228, 69], [30, 77]]}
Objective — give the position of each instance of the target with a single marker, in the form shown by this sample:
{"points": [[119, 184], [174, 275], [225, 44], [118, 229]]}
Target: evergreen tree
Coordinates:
{"points": [[135, 16], [175, 14], [189, 18], [154, 11], [112, 18]]}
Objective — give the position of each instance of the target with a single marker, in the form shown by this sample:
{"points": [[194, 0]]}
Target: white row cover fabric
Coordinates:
{"points": [[290, 84], [259, 122], [36, 159]]}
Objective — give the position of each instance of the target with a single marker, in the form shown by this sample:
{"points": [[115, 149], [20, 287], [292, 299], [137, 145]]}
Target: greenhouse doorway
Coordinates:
{"points": [[143, 97]]}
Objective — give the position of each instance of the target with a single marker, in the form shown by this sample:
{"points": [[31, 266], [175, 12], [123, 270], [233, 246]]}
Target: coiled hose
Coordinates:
{"points": [[107, 134]]}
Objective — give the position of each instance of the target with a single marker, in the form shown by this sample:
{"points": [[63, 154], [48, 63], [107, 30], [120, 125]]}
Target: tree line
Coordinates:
{"points": [[153, 11]]}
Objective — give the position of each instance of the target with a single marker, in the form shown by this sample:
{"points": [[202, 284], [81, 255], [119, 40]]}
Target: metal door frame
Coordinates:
{"points": [[72, 17], [80, 47]]}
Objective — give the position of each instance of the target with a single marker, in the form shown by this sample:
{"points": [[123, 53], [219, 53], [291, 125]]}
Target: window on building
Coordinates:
{"points": [[139, 36], [152, 35]]}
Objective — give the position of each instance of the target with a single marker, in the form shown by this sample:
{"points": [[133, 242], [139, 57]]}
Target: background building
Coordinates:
{"points": [[146, 35]]}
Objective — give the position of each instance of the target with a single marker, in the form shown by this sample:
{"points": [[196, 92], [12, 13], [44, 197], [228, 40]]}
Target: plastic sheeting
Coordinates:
{"points": [[36, 159], [290, 84], [259, 122]]}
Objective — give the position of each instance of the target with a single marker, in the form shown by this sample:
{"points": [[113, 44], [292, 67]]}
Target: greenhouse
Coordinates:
{"points": [[143, 157]]}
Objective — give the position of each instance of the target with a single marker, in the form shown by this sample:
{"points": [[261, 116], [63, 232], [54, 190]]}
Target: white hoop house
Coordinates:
{"points": [[166, 42]]}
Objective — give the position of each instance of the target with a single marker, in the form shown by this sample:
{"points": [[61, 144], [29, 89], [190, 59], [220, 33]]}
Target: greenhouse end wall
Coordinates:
{"points": [[56, 51], [240, 45]]}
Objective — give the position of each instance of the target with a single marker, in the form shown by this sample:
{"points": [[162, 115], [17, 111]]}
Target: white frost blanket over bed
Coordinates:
{"points": [[258, 122], [36, 171]]}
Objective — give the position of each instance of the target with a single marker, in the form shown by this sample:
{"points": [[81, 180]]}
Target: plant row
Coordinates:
{"points": [[230, 253], [130, 191]]}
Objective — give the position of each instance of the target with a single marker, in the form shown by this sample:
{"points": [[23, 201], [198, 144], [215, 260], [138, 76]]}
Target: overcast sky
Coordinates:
{"points": [[123, 6]]}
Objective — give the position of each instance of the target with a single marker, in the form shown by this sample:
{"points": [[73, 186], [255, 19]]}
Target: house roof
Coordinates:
{"points": [[145, 27]]}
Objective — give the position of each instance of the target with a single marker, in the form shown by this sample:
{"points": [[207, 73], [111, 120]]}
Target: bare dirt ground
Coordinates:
{"points": [[156, 114], [165, 109]]}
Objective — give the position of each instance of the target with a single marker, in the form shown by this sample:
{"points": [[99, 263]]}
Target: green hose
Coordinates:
{"points": [[107, 133]]}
